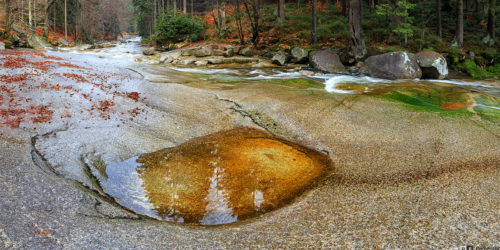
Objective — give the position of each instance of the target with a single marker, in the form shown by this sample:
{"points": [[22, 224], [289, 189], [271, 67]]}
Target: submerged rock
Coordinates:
{"points": [[326, 60], [392, 65], [433, 65], [216, 179]]}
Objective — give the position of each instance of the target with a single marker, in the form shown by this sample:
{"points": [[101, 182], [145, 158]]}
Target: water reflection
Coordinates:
{"points": [[216, 179]]}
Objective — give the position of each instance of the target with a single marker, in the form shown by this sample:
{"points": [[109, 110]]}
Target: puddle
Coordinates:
{"points": [[215, 179]]}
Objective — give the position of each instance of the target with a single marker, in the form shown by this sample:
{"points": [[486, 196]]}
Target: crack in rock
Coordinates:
{"points": [[256, 117]]}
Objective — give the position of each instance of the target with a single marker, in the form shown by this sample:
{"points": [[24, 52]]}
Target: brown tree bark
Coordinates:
{"points": [[344, 7], [491, 19], [65, 20], [357, 41], [253, 11], [460, 23], [281, 9], [438, 14], [314, 36], [371, 5]]}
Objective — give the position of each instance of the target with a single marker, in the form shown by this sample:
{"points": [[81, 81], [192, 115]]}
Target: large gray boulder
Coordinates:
{"points": [[2, 46], [149, 51], [247, 51], [392, 65], [326, 60], [37, 43], [432, 64], [299, 55], [280, 58]]}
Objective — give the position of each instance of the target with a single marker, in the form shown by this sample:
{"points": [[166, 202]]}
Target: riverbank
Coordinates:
{"points": [[410, 168]]}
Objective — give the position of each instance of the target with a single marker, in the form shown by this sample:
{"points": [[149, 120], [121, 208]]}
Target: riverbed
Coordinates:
{"points": [[414, 162]]}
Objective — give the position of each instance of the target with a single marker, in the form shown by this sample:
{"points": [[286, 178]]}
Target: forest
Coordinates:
{"points": [[463, 30]]}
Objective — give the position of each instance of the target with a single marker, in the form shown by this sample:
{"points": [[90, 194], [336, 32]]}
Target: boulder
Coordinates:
{"points": [[243, 60], [326, 60], [392, 65], [236, 49], [149, 51], [299, 55], [63, 41], [247, 51], [280, 58], [201, 63], [432, 64], [37, 43], [166, 59], [188, 61], [229, 53], [188, 52], [218, 52], [202, 52], [2, 46], [215, 60]]}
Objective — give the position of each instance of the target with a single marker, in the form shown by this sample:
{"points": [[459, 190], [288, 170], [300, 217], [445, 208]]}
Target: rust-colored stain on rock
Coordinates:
{"points": [[227, 176]]}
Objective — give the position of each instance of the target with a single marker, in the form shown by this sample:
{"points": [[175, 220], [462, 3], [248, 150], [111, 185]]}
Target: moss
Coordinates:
{"points": [[478, 73], [427, 99], [473, 70], [300, 83]]}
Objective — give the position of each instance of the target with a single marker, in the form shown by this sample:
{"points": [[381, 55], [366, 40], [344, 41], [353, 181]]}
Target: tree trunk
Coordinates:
{"points": [[281, 9], [460, 23], [357, 41], [371, 5], [314, 37], [344, 7], [192, 8], [438, 14], [30, 21], [491, 19], [175, 5], [65, 20], [184, 6]]}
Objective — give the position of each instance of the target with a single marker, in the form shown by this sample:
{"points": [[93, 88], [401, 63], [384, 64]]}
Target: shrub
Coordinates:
{"points": [[177, 27]]}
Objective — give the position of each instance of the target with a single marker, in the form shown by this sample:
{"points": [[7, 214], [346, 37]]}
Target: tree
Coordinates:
{"points": [[281, 9], [252, 8], [314, 36], [65, 20], [438, 17], [357, 41], [491, 19], [459, 35]]}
